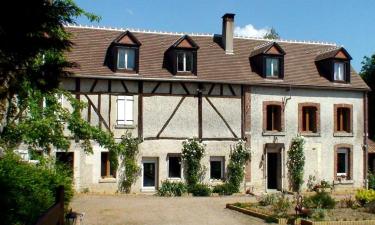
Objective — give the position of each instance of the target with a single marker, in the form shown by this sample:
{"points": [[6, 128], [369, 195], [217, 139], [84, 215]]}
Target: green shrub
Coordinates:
{"points": [[318, 214], [224, 189], [268, 199], [28, 190], [172, 189], [296, 163], [365, 196], [370, 207], [192, 153], [281, 206], [321, 200], [348, 202], [200, 190], [371, 180]]}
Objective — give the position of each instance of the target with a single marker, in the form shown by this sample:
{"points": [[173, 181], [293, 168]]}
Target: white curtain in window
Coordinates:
{"points": [[126, 58], [339, 71]]}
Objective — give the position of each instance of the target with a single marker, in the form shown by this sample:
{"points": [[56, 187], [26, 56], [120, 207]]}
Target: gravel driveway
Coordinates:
{"points": [[152, 210]]}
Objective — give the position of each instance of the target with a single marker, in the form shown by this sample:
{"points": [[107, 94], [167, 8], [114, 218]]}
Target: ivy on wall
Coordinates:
{"points": [[296, 163], [192, 153], [237, 160]]}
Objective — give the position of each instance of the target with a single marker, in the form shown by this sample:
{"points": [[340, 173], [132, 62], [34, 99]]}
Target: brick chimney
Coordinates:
{"points": [[227, 32]]}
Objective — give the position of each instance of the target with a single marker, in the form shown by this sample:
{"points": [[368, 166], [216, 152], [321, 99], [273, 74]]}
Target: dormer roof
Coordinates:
{"points": [[334, 53], [127, 38], [271, 48], [186, 42]]}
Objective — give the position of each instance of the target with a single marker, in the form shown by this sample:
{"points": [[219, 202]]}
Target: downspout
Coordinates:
{"points": [[365, 137]]}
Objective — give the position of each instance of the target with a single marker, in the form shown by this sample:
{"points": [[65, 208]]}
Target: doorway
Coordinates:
{"points": [[274, 168], [149, 174]]}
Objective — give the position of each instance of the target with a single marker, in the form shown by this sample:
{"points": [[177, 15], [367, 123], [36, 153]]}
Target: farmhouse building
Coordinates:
{"points": [[167, 87]]}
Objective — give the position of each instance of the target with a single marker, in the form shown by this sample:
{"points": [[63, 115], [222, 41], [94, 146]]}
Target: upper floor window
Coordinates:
{"points": [[308, 117], [339, 71], [343, 119], [272, 67], [272, 117], [125, 110], [184, 61], [126, 58]]}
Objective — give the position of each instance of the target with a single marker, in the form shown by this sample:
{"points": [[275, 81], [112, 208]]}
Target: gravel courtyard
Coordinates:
{"points": [[152, 210]]}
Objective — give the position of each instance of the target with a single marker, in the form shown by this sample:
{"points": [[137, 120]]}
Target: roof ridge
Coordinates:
{"points": [[196, 34]]}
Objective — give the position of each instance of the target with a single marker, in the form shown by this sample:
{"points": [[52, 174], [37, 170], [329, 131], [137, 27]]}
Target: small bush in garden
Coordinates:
{"points": [[318, 214], [371, 180], [268, 199], [365, 196], [237, 160], [281, 206], [224, 189], [321, 200], [348, 202], [370, 207], [28, 190], [200, 190], [169, 189]]}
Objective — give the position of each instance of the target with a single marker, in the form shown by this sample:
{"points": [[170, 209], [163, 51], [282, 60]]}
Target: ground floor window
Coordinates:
{"points": [[217, 167], [343, 163], [106, 170], [174, 166]]}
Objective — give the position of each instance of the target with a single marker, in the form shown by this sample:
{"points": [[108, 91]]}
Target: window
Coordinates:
{"points": [[339, 71], [309, 119], [343, 119], [126, 58], [125, 110], [273, 118], [174, 167], [184, 61], [106, 170], [272, 67], [217, 168], [343, 163]]}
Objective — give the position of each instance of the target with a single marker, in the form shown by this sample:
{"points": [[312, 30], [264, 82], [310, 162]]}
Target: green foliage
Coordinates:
{"points": [[192, 153], [268, 199], [200, 190], [368, 75], [272, 34], [321, 200], [281, 206], [371, 180], [296, 163], [237, 160], [224, 189], [170, 189], [318, 214], [349, 202], [364, 196], [28, 190]]}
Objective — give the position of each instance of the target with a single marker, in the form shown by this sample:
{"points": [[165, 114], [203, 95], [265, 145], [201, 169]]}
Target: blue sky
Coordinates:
{"points": [[346, 22]]}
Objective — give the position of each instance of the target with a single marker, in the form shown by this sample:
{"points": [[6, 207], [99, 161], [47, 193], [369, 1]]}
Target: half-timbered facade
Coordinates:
{"points": [[165, 88]]}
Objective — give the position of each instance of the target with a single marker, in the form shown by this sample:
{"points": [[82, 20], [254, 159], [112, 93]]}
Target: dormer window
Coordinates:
{"points": [[334, 64], [181, 57], [339, 71], [184, 61], [125, 53], [126, 58], [268, 60], [272, 67]]}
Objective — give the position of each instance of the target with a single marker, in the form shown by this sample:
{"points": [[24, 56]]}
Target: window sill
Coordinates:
{"points": [[273, 79], [185, 75], [107, 180], [310, 134], [174, 178], [343, 182], [124, 126], [273, 133], [217, 181], [343, 134]]}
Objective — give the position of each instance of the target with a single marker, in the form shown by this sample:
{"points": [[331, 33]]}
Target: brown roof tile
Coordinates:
{"points": [[91, 45]]}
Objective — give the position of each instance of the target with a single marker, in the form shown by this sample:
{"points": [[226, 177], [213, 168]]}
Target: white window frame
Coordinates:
{"points": [[271, 59], [124, 119], [339, 75], [184, 61], [181, 171], [126, 58], [346, 152], [220, 159]]}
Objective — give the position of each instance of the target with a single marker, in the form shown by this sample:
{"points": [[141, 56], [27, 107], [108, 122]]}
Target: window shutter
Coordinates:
{"points": [[347, 72], [121, 110], [129, 110], [281, 67], [195, 61]]}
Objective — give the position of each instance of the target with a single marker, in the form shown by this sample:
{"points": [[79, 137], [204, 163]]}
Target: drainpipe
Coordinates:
{"points": [[365, 137]]}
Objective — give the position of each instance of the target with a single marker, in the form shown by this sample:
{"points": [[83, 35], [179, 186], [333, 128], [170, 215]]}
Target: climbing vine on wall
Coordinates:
{"points": [[296, 163], [237, 160], [192, 153]]}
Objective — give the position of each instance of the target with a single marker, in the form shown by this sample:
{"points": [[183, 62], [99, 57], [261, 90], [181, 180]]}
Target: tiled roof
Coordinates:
{"points": [[213, 65]]}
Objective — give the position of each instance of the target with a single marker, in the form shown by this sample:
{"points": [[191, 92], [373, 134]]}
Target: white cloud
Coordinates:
{"points": [[130, 12], [250, 31]]}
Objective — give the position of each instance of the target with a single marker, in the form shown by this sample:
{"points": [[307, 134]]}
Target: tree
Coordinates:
{"points": [[368, 75], [272, 34]]}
